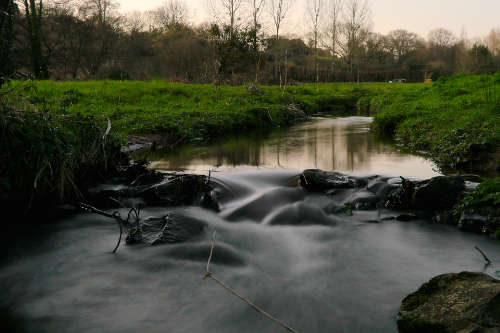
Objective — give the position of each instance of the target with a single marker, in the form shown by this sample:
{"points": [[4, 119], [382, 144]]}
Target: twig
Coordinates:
{"points": [[208, 274], [488, 261], [114, 216]]}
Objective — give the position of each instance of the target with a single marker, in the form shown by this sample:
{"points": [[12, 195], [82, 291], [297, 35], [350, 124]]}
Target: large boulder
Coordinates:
{"points": [[438, 193], [464, 302], [171, 228], [323, 181]]}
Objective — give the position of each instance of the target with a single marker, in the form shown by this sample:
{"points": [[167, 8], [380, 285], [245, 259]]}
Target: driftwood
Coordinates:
{"points": [[115, 216], [209, 275]]}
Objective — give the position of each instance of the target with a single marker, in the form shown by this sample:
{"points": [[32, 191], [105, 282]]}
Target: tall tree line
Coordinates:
{"points": [[91, 39]]}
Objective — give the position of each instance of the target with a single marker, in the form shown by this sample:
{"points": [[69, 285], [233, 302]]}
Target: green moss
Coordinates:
{"points": [[414, 324], [421, 296]]}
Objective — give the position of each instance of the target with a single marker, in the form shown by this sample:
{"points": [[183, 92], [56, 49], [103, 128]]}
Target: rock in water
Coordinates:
{"points": [[439, 193], [464, 302], [322, 181]]}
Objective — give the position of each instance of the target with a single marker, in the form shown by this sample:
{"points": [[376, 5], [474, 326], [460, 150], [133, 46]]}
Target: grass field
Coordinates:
{"points": [[196, 111], [456, 120]]}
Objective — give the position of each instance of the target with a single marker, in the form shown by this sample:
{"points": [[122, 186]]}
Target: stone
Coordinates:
{"points": [[438, 193], [464, 302], [322, 181]]}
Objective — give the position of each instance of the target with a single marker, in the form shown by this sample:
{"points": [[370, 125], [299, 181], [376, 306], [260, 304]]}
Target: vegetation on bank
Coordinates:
{"points": [[48, 158], [190, 112], [456, 120]]}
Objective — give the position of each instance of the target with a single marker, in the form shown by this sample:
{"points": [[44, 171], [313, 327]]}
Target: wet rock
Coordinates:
{"points": [[364, 200], [473, 223], [464, 302], [402, 197], [299, 213], [439, 193], [170, 190], [172, 228], [322, 181]]}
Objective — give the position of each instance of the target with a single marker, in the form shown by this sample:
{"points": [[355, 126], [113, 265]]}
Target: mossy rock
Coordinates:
{"points": [[464, 302]]}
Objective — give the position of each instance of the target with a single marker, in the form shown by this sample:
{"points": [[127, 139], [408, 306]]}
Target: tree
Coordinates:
{"points": [[34, 15], [355, 31], [441, 38], [256, 7], [279, 9], [172, 15], [314, 9], [332, 29], [8, 11], [482, 59], [101, 17], [402, 43], [226, 12], [493, 41]]}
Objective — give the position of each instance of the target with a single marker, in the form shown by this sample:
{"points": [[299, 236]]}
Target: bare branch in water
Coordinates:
{"points": [[488, 261], [209, 275], [116, 216]]}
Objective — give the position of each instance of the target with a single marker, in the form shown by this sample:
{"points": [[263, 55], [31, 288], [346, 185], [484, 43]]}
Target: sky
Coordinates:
{"points": [[476, 17]]}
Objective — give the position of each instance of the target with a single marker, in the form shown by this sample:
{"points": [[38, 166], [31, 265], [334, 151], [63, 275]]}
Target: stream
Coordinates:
{"points": [[277, 245]]}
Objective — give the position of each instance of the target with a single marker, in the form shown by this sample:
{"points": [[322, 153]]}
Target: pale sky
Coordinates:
{"points": [[477, 17]]}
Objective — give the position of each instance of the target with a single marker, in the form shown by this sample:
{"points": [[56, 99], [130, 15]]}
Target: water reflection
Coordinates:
{"points": [[340, 144]]}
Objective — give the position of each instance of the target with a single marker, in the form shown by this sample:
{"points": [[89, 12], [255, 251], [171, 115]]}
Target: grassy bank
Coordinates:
{"points": [[455, 121], [48, 158], [188, 112]]}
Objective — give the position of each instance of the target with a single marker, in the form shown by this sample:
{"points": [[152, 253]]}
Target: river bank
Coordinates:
{"points": [[455, 121]]}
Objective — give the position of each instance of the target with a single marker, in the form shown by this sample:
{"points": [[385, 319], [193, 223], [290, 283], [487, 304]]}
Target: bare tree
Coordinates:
{"points": [[355, 28], [493, 41], [402, 43], [279, 9], [332, 28], [441, 38], [256, 7], [102, 10], [226, 11], [171, 15], [314, 9]]}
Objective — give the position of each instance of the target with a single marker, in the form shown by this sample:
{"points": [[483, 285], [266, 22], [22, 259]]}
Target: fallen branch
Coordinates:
{"points": [[116, 216], [209, 275], [488, 261]]}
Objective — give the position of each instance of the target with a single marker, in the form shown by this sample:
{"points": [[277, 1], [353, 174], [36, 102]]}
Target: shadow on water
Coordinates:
{"points": [[340, 144]]}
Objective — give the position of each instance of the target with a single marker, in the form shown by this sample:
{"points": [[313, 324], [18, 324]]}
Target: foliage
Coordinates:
{"points": [[486, 197], [453, 120], [46, 156], [191, 112]]}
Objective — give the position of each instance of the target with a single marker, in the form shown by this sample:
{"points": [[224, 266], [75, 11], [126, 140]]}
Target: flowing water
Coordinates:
{"points": [[316, 271]]}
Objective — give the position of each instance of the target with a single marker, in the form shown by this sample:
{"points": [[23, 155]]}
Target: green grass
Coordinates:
{"points": [[194, 111], [454, 120], [48, 158]]}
